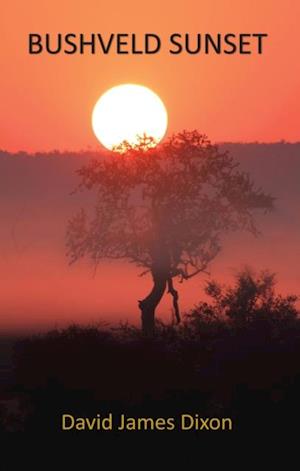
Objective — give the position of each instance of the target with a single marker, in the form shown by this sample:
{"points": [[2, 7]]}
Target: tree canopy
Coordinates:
{"points": [[164, 208]]}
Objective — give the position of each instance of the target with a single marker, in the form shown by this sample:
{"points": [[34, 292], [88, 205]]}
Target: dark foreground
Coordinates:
{"points": [[235, 359]]}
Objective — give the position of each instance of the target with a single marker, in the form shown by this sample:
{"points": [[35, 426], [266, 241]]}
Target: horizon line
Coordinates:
{"points": [[99, 148]]}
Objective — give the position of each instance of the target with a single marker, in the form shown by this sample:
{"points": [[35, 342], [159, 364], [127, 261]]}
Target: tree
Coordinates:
{"points": [[165, 209]]}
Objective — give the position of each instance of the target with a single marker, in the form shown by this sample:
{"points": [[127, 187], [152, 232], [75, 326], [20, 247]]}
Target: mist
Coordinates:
{"points": [[40, 290]]}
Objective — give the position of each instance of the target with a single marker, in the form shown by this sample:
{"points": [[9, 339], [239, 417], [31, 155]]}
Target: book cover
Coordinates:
{"points": [[149, 181]]}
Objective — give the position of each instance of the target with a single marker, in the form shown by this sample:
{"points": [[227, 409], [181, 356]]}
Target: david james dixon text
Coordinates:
{"points": [[122, 422], [148, 43]]}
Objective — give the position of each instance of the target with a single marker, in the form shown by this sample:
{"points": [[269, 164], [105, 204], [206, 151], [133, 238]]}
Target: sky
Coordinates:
{"points": [[47, 101]]}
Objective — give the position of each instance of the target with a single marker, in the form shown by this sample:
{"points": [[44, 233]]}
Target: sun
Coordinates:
{"points": [[127, 112]]}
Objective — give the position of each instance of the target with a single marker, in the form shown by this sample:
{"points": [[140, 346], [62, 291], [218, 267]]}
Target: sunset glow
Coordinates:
{"points": [[126, 112]]}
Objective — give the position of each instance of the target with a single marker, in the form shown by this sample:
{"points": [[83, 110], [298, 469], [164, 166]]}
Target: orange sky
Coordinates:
{"points": [[46, 101]]}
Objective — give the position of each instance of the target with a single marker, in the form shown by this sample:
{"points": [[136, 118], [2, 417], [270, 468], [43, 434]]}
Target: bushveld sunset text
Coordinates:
{"points": [[149, 43]]}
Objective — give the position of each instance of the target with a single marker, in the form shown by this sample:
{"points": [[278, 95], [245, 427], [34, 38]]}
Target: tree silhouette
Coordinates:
{"points": [[165, 209]]}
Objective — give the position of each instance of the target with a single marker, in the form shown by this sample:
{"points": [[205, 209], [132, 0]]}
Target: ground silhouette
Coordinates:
{"points": [[222, 361]]}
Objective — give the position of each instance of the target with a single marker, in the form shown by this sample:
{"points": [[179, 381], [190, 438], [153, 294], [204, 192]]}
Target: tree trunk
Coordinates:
{"points": [[149, 304]]}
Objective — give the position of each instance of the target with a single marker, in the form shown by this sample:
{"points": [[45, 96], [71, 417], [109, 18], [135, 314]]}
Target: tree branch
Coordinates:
{"points": [[175, 296], [191, 275]]}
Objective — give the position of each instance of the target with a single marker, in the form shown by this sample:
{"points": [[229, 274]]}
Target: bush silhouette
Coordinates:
{"points": [[252, 299]]}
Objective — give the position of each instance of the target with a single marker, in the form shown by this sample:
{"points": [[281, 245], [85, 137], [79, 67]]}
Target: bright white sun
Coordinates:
{"points": [[126, 112]]}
